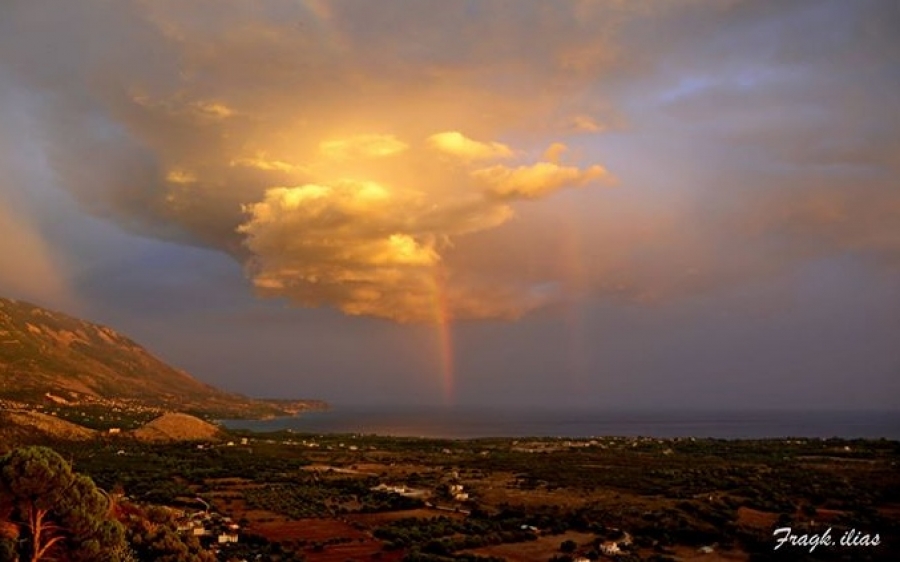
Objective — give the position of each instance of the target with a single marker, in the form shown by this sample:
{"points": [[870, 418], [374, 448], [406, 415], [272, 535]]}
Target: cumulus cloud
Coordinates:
{"points": [[586, 123], [375, 248], [261, 161], [213, 109], [457, 144], [536, 180], [337, 245], [362, 146], [554, 152]]}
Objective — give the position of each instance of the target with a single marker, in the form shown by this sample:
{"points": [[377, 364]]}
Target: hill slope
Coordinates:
{"points": [[177, 427], [49, 356], [25, 426]]}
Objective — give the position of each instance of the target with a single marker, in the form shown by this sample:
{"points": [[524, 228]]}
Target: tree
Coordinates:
{"points": [[153, 537], [54, 510]]}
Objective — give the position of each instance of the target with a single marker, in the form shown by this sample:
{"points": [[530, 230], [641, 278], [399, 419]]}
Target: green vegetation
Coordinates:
{"points": [[325, 497], [57, 512], [152, 535], [443, 536], [563, 497]]}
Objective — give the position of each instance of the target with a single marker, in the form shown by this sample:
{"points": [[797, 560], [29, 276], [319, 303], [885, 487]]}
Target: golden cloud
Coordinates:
{"points": [[587, 124], [261, 161], [343, 244], [457, 144], [375, 247], [362, 146], [180, 177], [213, 109], [554, 152], [536, 180]]}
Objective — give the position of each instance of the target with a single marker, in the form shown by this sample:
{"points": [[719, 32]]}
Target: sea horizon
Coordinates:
{"points": [[474, 422]]}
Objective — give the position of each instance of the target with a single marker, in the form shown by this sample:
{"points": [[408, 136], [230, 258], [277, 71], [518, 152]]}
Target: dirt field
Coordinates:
{"points": [[755, 518], [376, 519], [827, 515], [354, 544], [498, 488], [689, 553]]}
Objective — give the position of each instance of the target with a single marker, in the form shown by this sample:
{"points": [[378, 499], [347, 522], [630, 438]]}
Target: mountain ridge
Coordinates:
{"points": [[50, 359]]}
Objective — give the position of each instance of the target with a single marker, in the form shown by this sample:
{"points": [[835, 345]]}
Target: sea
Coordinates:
{"points": [[473, 423]]}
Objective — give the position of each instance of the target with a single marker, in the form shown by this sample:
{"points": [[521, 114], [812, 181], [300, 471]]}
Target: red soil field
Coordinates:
{"points": [[377, 519], [755, 518], [361, 546]]}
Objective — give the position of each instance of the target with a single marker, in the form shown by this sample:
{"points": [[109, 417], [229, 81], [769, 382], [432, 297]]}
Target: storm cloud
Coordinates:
{"points": [[492, 156]]}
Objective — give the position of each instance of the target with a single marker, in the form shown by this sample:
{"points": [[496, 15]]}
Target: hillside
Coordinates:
{"points": [[52, 359], [28, 427], [177, 427], [25, 426]]}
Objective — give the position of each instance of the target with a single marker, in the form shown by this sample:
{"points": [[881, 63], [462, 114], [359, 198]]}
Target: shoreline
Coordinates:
{"points": [[479, 424]]}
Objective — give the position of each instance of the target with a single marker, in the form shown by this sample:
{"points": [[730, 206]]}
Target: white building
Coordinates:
{"points": [[610, 549]]}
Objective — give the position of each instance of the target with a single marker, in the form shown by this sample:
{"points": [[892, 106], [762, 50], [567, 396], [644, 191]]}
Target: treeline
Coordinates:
{"points": [[323, 497], [444, 535]]}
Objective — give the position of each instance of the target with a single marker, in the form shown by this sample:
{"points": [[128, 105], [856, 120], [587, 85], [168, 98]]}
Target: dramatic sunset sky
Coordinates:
{"points": [[611, 204]]}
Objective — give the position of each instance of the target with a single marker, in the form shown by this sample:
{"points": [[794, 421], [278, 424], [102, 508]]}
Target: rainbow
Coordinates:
{"points": [[444, 333]]}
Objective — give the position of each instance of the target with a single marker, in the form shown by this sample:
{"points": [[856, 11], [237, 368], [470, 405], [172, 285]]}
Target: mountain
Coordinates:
{"points": [[52, 360]]}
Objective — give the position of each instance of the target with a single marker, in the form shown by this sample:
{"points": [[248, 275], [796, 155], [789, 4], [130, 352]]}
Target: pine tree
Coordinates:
{"points": [[53, 510]]}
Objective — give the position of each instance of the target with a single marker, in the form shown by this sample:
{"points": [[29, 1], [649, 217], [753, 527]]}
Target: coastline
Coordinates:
{"points": [[475, 423]]}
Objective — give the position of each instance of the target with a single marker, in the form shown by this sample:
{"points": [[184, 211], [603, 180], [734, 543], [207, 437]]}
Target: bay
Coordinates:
{"points": [[471, 422]]}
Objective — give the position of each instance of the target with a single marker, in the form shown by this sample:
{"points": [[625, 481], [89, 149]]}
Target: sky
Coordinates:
{"points": [[588, 204]]}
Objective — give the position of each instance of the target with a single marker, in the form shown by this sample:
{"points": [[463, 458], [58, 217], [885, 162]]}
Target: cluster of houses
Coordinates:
{"points": [[402, 490], [457, 493], [212, 528], [609, 548]]}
